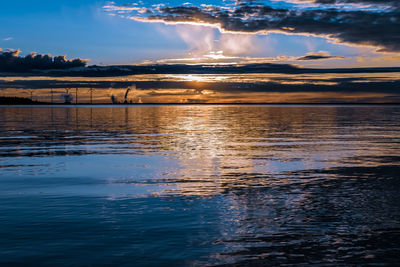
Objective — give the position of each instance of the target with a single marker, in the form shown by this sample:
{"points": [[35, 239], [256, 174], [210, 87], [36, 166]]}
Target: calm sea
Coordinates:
{"points": [[199, 185]]}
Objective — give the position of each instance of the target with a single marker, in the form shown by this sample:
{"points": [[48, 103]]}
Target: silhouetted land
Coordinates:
{"points": [[19, 101]]}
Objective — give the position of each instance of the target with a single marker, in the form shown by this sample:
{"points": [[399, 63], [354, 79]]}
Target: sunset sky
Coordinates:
{"points": [[312, 33]]}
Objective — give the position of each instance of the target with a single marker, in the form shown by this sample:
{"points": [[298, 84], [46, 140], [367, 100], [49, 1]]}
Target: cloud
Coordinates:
{"points": [[394, 4], [7, 39], [236, 44], [126, 8], [319, 56], [203, 42], [219, 58], [379, 28], [11, 61]]}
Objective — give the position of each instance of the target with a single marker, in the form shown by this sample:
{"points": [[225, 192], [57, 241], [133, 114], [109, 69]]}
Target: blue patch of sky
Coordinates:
{"points": [[81, 29]]}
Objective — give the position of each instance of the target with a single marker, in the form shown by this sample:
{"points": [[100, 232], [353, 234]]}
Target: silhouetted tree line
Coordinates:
{"points": [[17, 101], [10, 61]]}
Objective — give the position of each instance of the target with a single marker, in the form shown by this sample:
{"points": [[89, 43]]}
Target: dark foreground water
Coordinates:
{"points": [[200, 185]]}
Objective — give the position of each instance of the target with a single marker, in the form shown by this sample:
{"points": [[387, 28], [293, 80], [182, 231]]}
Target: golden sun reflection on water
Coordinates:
{"points": [[216, 149]]}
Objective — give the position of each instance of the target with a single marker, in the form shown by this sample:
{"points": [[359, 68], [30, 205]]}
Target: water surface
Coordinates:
{"points": [[200, 185]]}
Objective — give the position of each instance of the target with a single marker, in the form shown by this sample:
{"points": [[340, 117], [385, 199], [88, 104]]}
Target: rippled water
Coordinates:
{"points": [[200, 185]]}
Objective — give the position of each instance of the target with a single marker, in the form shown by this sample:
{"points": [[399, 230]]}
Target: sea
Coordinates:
{"points": [[200, 185]]}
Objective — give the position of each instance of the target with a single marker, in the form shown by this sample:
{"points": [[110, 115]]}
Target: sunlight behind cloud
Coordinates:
{"points": [[237, 27], [209, 42]]}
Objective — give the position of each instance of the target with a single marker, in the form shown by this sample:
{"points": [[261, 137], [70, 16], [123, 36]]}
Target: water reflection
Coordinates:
{"points": [[216, 147], [225, 184]]}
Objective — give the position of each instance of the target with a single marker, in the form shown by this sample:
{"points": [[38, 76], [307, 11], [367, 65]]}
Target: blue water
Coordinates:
{"points": [[199, 185]]}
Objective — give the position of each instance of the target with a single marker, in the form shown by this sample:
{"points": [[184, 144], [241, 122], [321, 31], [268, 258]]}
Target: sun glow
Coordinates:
{"points": [[197, 78], [206, 58]]}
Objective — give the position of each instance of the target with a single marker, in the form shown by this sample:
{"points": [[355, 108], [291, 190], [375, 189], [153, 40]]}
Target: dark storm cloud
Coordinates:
{"points": [[386, 3], [317, 56], [389, 3], [112, 71], [360, 27], [10, 61]]}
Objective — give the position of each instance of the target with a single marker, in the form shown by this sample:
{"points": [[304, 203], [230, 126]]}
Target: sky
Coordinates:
{"points": [[311, 33]]}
